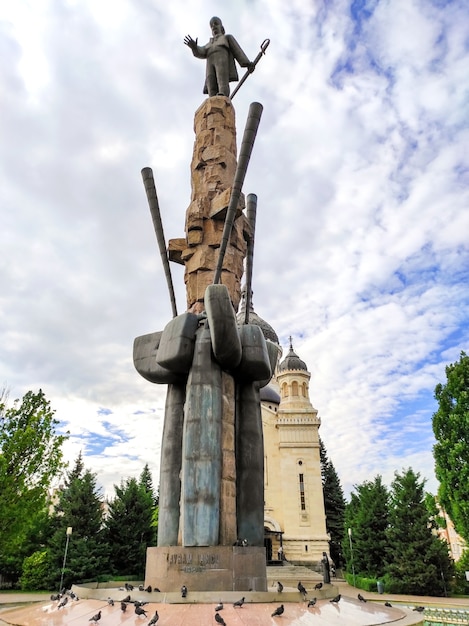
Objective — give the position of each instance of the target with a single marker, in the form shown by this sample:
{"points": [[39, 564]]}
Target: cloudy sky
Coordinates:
{"points": [[361, 167]]}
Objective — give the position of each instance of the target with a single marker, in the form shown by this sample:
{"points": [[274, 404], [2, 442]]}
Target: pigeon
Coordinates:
{"points": [[301, 589], [361, 598], [62, 603], [387, 604], [419, 609], [140, 611], [54, 597], [73, 596], [219, 619], [336, 599], [155, 589], [184, 591], [317, 586], [96, 617], [126, 599], [110, 601], [278, 611], [154, 619], [312, 602], [123, 607], [239, 603], [148, 589], [141, 588], [219, 607], [128, 587], [279, 587]]}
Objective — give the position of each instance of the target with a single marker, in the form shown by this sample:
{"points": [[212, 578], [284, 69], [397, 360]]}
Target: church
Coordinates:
{"points": [[294, 517]]}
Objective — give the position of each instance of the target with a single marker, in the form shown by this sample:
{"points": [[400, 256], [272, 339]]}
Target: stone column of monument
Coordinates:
{"points": [[213, 169]]}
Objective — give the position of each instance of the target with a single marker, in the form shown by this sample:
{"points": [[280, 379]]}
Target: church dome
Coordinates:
{"points": [[292, 362], [267, 330], [268, 394]]}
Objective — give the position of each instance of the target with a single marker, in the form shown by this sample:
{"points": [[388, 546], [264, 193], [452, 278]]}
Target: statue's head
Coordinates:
{"points": [[216, 26]]}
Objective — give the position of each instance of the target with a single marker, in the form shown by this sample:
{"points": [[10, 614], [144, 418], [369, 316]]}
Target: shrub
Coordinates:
{"points": [[361, 582], [35, 570]]}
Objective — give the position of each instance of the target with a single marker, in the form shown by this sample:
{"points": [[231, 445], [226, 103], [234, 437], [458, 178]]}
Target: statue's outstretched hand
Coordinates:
{"points": [[190, 42]]}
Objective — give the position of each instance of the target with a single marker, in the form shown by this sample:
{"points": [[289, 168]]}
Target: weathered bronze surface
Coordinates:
{"points": [[221, 52]]}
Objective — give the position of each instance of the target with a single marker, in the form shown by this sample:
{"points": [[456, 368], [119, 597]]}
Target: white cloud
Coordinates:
{"points": [[361, 170]]}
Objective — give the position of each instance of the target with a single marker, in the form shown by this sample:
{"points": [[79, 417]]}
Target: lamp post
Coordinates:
{"points": [[69, 532], [351, 554]]}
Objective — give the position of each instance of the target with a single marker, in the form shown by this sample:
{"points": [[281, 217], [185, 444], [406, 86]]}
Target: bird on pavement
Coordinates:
{"points": [[123, 606], [336, 599], [219, 619], [62, 603], [361, 598], [139, 610], [301, 588], [419, 609], [219, 607], [239, 603], [279, 587], [96, 617], [387, 604], [312, 602], [54, 597], [127, 599], [148, 589], [110, 601], [278, 611], [318, 586], [184, 591], [154, 619], [128, 587]]}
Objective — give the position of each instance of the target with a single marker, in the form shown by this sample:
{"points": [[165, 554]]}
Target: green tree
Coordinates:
{"points": [[334, 505], [417, 560], [129, 525], [367, 517], [30, 458], [451, 452], [80, 507]]}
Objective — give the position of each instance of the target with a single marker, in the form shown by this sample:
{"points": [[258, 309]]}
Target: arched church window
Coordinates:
{"points": [[294, 388]]}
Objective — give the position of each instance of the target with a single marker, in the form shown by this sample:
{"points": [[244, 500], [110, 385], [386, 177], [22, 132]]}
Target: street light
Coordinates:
{"points": [[69, 532], [351, 554]]}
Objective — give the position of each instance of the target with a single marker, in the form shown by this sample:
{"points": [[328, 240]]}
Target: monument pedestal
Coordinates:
{"points": [[211, 568]]}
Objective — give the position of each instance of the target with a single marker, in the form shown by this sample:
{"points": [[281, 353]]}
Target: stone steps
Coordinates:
{"points": [[290, 575]]}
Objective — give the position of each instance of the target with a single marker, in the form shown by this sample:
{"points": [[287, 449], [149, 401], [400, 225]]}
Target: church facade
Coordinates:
{"points": [[294, 517]]}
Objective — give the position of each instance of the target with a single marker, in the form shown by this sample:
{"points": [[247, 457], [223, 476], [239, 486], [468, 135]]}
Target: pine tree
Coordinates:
{"points": [[80, 507], [334, 505], [417, 560], [129, 525], [367, 517]]}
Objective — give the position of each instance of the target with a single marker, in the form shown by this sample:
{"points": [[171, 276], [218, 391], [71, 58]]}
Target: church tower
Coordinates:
{"points": [[293, 496], [294, 517]]}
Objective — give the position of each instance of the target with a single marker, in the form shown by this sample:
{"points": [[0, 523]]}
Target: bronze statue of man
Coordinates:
{"points": [[221, 52]]}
